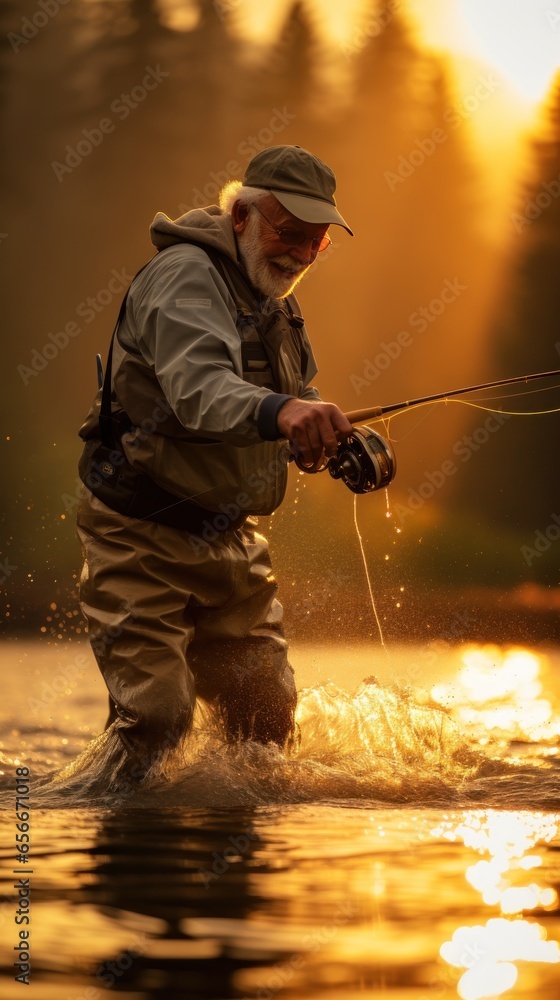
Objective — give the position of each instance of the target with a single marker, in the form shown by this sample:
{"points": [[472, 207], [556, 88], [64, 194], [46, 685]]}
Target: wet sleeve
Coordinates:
{"points": [[185, 323]]}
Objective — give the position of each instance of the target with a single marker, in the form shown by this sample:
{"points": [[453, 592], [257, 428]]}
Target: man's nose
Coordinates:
{"points": [[305, 253]]}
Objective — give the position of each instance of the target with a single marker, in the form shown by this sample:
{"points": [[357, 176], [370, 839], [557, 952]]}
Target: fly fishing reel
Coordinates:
{"points": [[365, 462]]}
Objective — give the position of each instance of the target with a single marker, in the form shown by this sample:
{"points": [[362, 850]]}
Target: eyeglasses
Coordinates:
{"points": [[294, 237]]}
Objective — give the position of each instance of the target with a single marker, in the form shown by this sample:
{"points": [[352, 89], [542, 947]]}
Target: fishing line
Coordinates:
{"points": [[386, 422], [366, 462], [510, 395], [511, 413], [466, 402], [526, 392], [368, 413], [364, 560]]}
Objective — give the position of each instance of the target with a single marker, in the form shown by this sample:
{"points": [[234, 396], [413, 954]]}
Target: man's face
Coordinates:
{"points": [[273, 267]]}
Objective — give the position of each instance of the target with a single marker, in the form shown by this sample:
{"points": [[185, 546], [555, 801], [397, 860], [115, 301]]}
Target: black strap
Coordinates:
{"points": [[106, 423]]}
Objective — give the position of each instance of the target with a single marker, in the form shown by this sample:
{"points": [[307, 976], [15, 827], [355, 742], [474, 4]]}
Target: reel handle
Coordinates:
{"points": [[320, 466]]}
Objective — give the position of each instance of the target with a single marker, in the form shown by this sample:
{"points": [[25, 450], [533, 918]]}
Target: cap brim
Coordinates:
{"points": [[310, 209]]}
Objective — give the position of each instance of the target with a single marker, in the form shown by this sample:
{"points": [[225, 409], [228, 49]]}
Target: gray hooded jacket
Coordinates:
{"points": [[201, 366]]}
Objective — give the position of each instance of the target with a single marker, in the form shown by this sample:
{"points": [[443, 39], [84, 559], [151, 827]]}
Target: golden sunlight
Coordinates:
{"points": [[501, 691], [334, 23], [520, 39], [179, 15], [489, 952], [257, 22]]}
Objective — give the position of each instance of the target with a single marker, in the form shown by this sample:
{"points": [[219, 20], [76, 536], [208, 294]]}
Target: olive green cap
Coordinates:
{"points": [[300, 181]]}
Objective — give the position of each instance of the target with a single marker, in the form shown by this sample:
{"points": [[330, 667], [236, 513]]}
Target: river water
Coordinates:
{"points": [[409, 847]]}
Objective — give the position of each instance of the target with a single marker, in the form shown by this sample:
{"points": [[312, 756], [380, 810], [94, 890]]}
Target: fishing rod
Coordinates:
{"points": [[366, 461], [356, 416]]}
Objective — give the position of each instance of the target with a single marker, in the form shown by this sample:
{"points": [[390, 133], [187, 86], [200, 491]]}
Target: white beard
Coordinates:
{"points": [[261, 270]]}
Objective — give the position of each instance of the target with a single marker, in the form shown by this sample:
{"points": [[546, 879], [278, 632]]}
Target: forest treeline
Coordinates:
{"points": [[111, 114]]}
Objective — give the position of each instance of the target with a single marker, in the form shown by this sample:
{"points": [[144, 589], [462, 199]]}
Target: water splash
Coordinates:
{"points": [[375, 746]]}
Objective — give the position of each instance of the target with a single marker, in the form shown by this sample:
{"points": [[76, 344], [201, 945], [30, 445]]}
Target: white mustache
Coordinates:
{"points": [[288, 264]]}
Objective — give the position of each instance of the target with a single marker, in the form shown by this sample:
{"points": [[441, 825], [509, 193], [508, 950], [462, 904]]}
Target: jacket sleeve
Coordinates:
{"points": [[183, 318], [311, 394]]}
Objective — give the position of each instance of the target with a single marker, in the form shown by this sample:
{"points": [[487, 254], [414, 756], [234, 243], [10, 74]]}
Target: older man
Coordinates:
{"points": [[207, 388]]}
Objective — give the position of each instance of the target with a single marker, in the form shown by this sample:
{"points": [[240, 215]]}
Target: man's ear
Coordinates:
{"points": [[239, 216]]}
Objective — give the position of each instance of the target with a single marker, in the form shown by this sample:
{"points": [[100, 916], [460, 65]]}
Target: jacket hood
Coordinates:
{"points": [[200, 225]]}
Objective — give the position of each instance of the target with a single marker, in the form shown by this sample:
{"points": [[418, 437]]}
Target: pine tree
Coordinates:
{"points": [[517, 483]]}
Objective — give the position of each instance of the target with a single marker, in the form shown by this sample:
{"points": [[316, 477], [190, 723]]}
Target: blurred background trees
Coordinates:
{"points": [[369, 103]]}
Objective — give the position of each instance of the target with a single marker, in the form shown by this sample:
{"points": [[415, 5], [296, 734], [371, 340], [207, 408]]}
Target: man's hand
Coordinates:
{"points": [[313, 428]]}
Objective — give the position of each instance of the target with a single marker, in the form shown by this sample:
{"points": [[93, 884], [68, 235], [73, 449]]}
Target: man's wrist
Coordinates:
{"points": [[269, 409]]}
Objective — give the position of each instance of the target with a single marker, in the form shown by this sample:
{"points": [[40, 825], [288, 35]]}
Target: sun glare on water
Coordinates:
{"points": [[489, 952], [499, 692]]}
